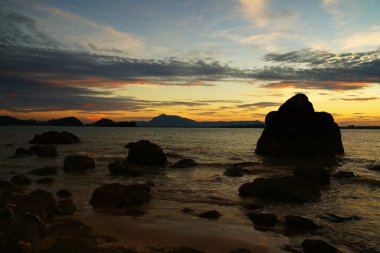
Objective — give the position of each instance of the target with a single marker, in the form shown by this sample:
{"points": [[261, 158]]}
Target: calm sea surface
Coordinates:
{"points": [[204, 187]]}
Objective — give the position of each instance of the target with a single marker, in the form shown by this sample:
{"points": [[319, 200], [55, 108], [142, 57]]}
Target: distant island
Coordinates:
{"points": [[162, 120]]}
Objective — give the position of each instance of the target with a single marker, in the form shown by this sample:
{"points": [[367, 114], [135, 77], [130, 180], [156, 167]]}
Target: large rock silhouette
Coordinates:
{"points": [[296, 130]]}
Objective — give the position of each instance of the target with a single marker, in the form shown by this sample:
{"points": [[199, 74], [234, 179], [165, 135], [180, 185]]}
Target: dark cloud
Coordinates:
{"points": [[259, 105]]}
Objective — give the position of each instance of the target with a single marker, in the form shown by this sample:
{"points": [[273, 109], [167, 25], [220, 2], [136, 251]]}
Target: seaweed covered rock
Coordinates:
{"points": [[287, 189], [296, 130], [53, 137], [145, 153], [78, 163], [120, 197]]}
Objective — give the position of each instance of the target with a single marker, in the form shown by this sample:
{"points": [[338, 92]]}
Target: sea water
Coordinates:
{"points": [[205, 187]]}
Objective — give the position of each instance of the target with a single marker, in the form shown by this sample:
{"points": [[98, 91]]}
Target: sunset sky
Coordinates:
{"points": [[206, 60]]}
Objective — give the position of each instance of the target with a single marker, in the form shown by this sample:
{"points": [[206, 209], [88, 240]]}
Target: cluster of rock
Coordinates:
{"points": [[296, 130]]}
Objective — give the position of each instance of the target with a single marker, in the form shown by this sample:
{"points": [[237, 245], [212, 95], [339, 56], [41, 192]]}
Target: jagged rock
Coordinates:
{"points": [[21, 180], [48, 202], [78, 163], [318, 246], [63, 194], [44, 151], [45, 180], [213, 214], [184, 163], [53, 137], [299, 222], [316, 175], [263, 219], [23, 151], [122, 167], [296, 130], [67, 206], [46, 171], [145, 153], [287, 189], [343, 174], [117, 196]]}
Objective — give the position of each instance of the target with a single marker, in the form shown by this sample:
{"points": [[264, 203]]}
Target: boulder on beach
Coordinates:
{"points": [[21, 180], [44, 151], [263, 219], [287, 189], [184, 163], [317, 175], [318, 246], [78, 163], [299, 222], [53, 137], [45, 171], [22, 232], [296, 130], [122, 167], [145, 153], [120, 197]]}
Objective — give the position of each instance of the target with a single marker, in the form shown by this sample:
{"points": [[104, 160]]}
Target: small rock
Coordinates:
{"points": [[263, 219], [316, 175], [299, 222], [67, 206], [63, 194], [213, 214], [234, 171], [46, 171], [45, 180], [122, 167], [184, 163], [145, 153], [253, 206], [187, 210], [318, 246], [78, 163], [21, 180], [53, 137], [23, 151], [44, 151], [343, 174]]}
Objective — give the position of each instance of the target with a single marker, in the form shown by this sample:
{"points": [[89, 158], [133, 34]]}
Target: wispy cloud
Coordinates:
{"points": [[255, 11], [259, 105], [360, 99]]}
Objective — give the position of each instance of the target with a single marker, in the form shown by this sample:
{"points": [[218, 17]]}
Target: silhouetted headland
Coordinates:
{"points": [[296, 130]]}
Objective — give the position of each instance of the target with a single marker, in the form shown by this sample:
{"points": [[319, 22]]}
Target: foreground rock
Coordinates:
{"points": [[22, 232], [184, 163], [376, 168], [78, 163], [287, 189], [117, 197], [234, 171], [299, 222], [145, 153], [23, 152], [44, 151], [122, 167], [296, 130], [339, 218], [53, 137], [45, 180], [63, 194], [48, 202], [317, 175], [343, 174], [67, 206], [318, 246]]}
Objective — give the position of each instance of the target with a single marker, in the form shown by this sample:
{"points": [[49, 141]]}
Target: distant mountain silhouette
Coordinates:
{"points": [[164, 120], [11, 121], [111, 123], [68, 121]]}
